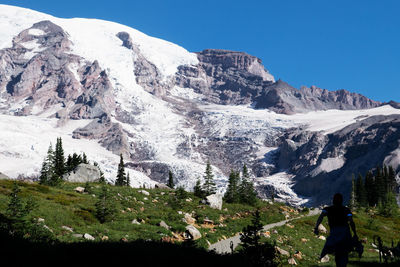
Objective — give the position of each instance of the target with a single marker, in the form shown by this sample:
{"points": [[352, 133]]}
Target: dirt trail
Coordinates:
{"points": [[224, 246]]}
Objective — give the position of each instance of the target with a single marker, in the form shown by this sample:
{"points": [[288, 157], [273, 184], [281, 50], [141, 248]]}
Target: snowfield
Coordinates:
{"points": [[24, 142]]}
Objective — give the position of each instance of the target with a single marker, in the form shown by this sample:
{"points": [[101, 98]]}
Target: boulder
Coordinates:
{"points": [[325, 259], [144, 192], [214, 201], [104, 238], [298, 255], [282, 251], [188, 219], [322, 237], [161, 186], [193, 232], [134, 221], [79, 189], [164, 225], [47, 228], [322, 229], [88, 237], [292, 261], [69, 229], [83, 173]]}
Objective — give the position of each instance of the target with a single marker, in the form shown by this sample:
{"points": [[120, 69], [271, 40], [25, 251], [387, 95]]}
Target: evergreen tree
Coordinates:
{"points": [[353, 200], [121, 176], [17, 210], [369, 188], [68, 164], [101, 179], [389, 207], [391, 181], [59, 160], [247, 192], [361, 198], [128, 180], [76, 160], [209, 187], [379, 185], [258, 253], [105, 208], [232, 192], [197, 189], [170, 183], [84, 158], [47, 173]]}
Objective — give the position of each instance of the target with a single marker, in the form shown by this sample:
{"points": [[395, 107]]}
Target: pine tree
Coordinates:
{"points": [[353, 200], [369, 188], [101, 178], [209, 187], [379, 185], [68, 164], [17, 210], [121, 176], [250, 236], [197, 189], [105, 208], [258, 253], [247, 192], [170, 183], [59, 160], [47, 173], [361, 198], [391, 182], [84, 158], [128, 180], [232, 192]]}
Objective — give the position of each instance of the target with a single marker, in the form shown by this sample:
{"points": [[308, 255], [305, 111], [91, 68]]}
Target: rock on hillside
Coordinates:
{"points": [[83, 173]]}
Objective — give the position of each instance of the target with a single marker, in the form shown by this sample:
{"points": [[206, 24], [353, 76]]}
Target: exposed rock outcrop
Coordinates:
{"points": [[83, 173]]}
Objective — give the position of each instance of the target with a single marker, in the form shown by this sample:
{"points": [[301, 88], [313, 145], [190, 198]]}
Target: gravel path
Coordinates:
{"points": [[224, 246]]}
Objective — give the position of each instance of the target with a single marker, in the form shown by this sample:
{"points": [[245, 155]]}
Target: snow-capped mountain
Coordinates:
{"points": [[108, 89]]}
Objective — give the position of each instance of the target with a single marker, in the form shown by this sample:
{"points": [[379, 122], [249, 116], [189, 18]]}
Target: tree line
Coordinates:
{"points": [[376, 189]]}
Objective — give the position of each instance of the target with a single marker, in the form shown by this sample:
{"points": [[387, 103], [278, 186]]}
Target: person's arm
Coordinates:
{"points": [[319, 221]]}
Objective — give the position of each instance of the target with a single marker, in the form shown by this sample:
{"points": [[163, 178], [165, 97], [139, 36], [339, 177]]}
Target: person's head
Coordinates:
{"points": [[337, 199]]}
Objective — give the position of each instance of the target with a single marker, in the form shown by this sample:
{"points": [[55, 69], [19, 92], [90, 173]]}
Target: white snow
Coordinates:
{"points": [[328, 165], [87, 33], [36, 32], [282, 182], [24, 142], [330, 121]]}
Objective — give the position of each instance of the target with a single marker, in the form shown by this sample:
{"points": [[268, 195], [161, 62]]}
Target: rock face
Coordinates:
{"points": [[228, 77], [318, 160], [83, 173]]}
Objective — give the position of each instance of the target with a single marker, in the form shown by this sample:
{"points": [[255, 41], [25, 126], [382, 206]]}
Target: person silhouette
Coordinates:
{"points": [[339, 241]]}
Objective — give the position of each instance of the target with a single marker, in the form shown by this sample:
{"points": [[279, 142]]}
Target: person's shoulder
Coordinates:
{"points": [[326, 209], [347, 211]]}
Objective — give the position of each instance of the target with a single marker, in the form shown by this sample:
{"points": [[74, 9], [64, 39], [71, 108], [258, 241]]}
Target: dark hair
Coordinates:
{"points": [[337, 199]]}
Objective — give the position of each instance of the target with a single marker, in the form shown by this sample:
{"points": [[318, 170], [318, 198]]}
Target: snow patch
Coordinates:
{"points": [[24, 142], [283, 182], [36, 32], [328, 165]]}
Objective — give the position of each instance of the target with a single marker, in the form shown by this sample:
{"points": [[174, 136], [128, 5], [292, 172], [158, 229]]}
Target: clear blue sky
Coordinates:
{"points": [[334, 44]]}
